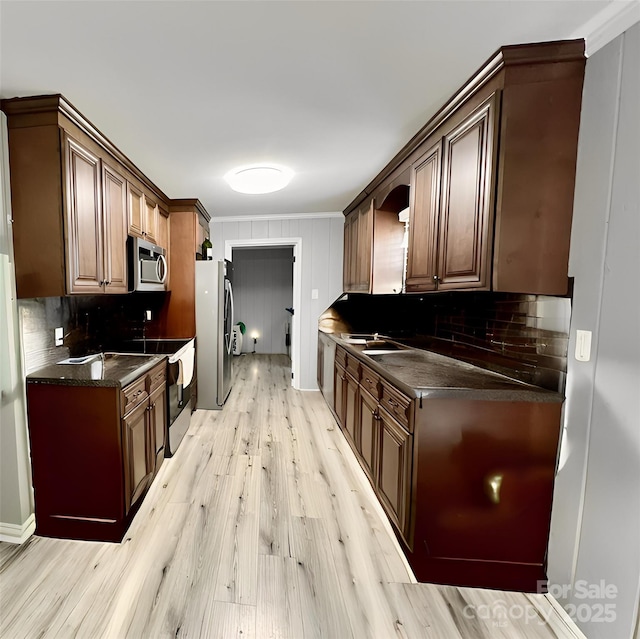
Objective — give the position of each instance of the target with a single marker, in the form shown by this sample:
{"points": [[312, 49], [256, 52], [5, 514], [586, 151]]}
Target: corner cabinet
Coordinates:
{"points": [[87, 195], [94, 453]]}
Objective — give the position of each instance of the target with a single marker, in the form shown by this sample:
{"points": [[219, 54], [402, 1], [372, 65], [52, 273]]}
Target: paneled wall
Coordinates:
{"points": [[263, 290], [321, 257], [595, 525]]}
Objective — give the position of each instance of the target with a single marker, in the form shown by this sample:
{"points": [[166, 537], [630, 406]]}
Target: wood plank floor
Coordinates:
{"points": [[262, 525]]}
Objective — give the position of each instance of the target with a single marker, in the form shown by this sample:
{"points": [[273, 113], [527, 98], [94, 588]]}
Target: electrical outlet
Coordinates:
{"points": [[147, 315], [59, 336], [314, 293], [583, 346]]}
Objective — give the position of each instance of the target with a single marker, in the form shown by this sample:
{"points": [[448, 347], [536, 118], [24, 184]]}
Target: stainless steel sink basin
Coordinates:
{"points": [[382, 347]]}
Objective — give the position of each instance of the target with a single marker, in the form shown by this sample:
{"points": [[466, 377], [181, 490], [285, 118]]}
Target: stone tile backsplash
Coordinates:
{"points": [[523, 336], [90, 323]]}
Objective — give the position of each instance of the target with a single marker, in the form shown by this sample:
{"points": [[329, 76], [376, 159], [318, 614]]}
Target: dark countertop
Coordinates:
{"points": [[103, 369], [421, 373]]}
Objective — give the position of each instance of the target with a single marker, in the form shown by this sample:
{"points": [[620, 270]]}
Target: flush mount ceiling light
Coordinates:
{"points": [[259, 178]]}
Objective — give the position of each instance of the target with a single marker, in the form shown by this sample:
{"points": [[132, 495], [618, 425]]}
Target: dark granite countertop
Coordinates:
{"points": [[421, 373], [102, 369]]}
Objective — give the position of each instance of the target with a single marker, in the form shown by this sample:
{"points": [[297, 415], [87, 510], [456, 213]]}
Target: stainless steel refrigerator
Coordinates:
{"points": [[214, 332]]}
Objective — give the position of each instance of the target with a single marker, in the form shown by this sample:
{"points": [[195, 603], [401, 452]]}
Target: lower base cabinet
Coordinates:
{"points": [[94, 453], [467, 483]]}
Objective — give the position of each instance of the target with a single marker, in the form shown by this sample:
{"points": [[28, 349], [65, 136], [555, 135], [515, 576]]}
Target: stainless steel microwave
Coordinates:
{"points": [[147, 266]]}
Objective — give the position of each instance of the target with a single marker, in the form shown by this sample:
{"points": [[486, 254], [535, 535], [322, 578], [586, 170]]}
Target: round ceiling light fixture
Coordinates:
{"points": [[259, 178]]}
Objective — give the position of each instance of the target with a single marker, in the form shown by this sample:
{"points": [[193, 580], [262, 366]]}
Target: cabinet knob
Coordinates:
{"points": [[492, 486], [436, 279]]}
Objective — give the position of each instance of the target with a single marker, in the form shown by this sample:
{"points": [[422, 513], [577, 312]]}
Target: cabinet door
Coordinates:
{"points": [[464, 245], [114, 193], [351, 412], [369, 434], [423, 221], [364, 249], [135, 210], [83, 219], [350, 251], [150, 225], [394, 475], [163, 229], [158, 425], [340, 382], [138, 467]]}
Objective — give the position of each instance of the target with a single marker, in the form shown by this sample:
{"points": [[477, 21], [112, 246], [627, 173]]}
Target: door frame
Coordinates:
{"points": [[296, 244]]}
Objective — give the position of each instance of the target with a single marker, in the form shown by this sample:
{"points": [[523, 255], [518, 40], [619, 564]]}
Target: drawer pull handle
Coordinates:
{"points": [[394, 404]]}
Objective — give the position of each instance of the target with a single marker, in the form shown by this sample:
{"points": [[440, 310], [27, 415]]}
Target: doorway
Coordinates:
{"points": [[266, 283]]}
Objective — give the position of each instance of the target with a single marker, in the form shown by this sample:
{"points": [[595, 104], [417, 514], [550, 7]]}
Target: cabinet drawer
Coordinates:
{"points": [[353, 367], [157, 377], [341, 356], [397, 404], [370, 382], [133, 394]]}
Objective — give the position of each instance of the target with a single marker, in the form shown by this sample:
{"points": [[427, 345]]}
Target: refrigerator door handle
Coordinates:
{"points": [[229, 333]]}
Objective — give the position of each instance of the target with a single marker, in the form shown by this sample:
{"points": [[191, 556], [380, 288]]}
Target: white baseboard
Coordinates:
{"points": [[16, 534]]}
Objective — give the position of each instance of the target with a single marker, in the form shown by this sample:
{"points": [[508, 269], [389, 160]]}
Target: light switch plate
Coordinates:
{"points": [[59, 336], [583, 346], [314, 293]]}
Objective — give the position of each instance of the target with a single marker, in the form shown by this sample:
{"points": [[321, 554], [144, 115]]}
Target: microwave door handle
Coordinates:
{"points": [[162, 273]]}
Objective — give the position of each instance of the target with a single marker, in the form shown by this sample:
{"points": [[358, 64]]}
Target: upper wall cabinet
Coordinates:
{"points": [[73, 197], [492, 176], [452, 208], [373, 240]]}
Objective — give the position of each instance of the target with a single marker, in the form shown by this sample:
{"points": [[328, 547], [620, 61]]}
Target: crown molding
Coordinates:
{"points": [[267, 218], [608, 24]]}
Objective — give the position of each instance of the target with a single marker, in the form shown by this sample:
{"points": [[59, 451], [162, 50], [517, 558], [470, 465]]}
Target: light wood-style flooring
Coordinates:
{"points": [[262, 525]]}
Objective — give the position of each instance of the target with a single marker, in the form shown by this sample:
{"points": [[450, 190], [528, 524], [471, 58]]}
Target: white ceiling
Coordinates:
{"points": [[188, 90]]}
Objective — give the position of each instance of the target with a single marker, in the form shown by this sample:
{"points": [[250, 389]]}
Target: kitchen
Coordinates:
{"points": [[320, 239]]}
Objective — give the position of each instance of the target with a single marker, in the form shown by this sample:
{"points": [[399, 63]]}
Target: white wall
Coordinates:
{"points": [[263, 290], [16, 504], [321, 256], [595, 528]]}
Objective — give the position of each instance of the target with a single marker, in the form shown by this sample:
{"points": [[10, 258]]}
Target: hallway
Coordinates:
{"points": [[262, 525]]}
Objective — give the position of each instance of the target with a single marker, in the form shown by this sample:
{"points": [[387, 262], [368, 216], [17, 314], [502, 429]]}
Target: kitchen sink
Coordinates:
{"points": [[357, 338], [382, 347]]}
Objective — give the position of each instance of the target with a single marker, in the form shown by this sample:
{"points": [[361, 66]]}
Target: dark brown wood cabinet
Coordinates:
{"points": [[340, 393], [188, 221], [351, 423], [369, 435], [94, 223], [452, 207], [493, 176], [374, 257], [94, 453], [84, 226], [358, 249], [394, 478], [87, 195], [466, 482], [114, 197]]}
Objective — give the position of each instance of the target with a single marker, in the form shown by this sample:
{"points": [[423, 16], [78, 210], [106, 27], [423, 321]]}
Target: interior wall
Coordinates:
{"points": [[321, 269], [16, 502], [262, 291], [595, 524]]}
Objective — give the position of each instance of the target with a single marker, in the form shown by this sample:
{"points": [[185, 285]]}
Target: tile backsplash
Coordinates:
{"points": [[90, 323], [523, 336]]}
